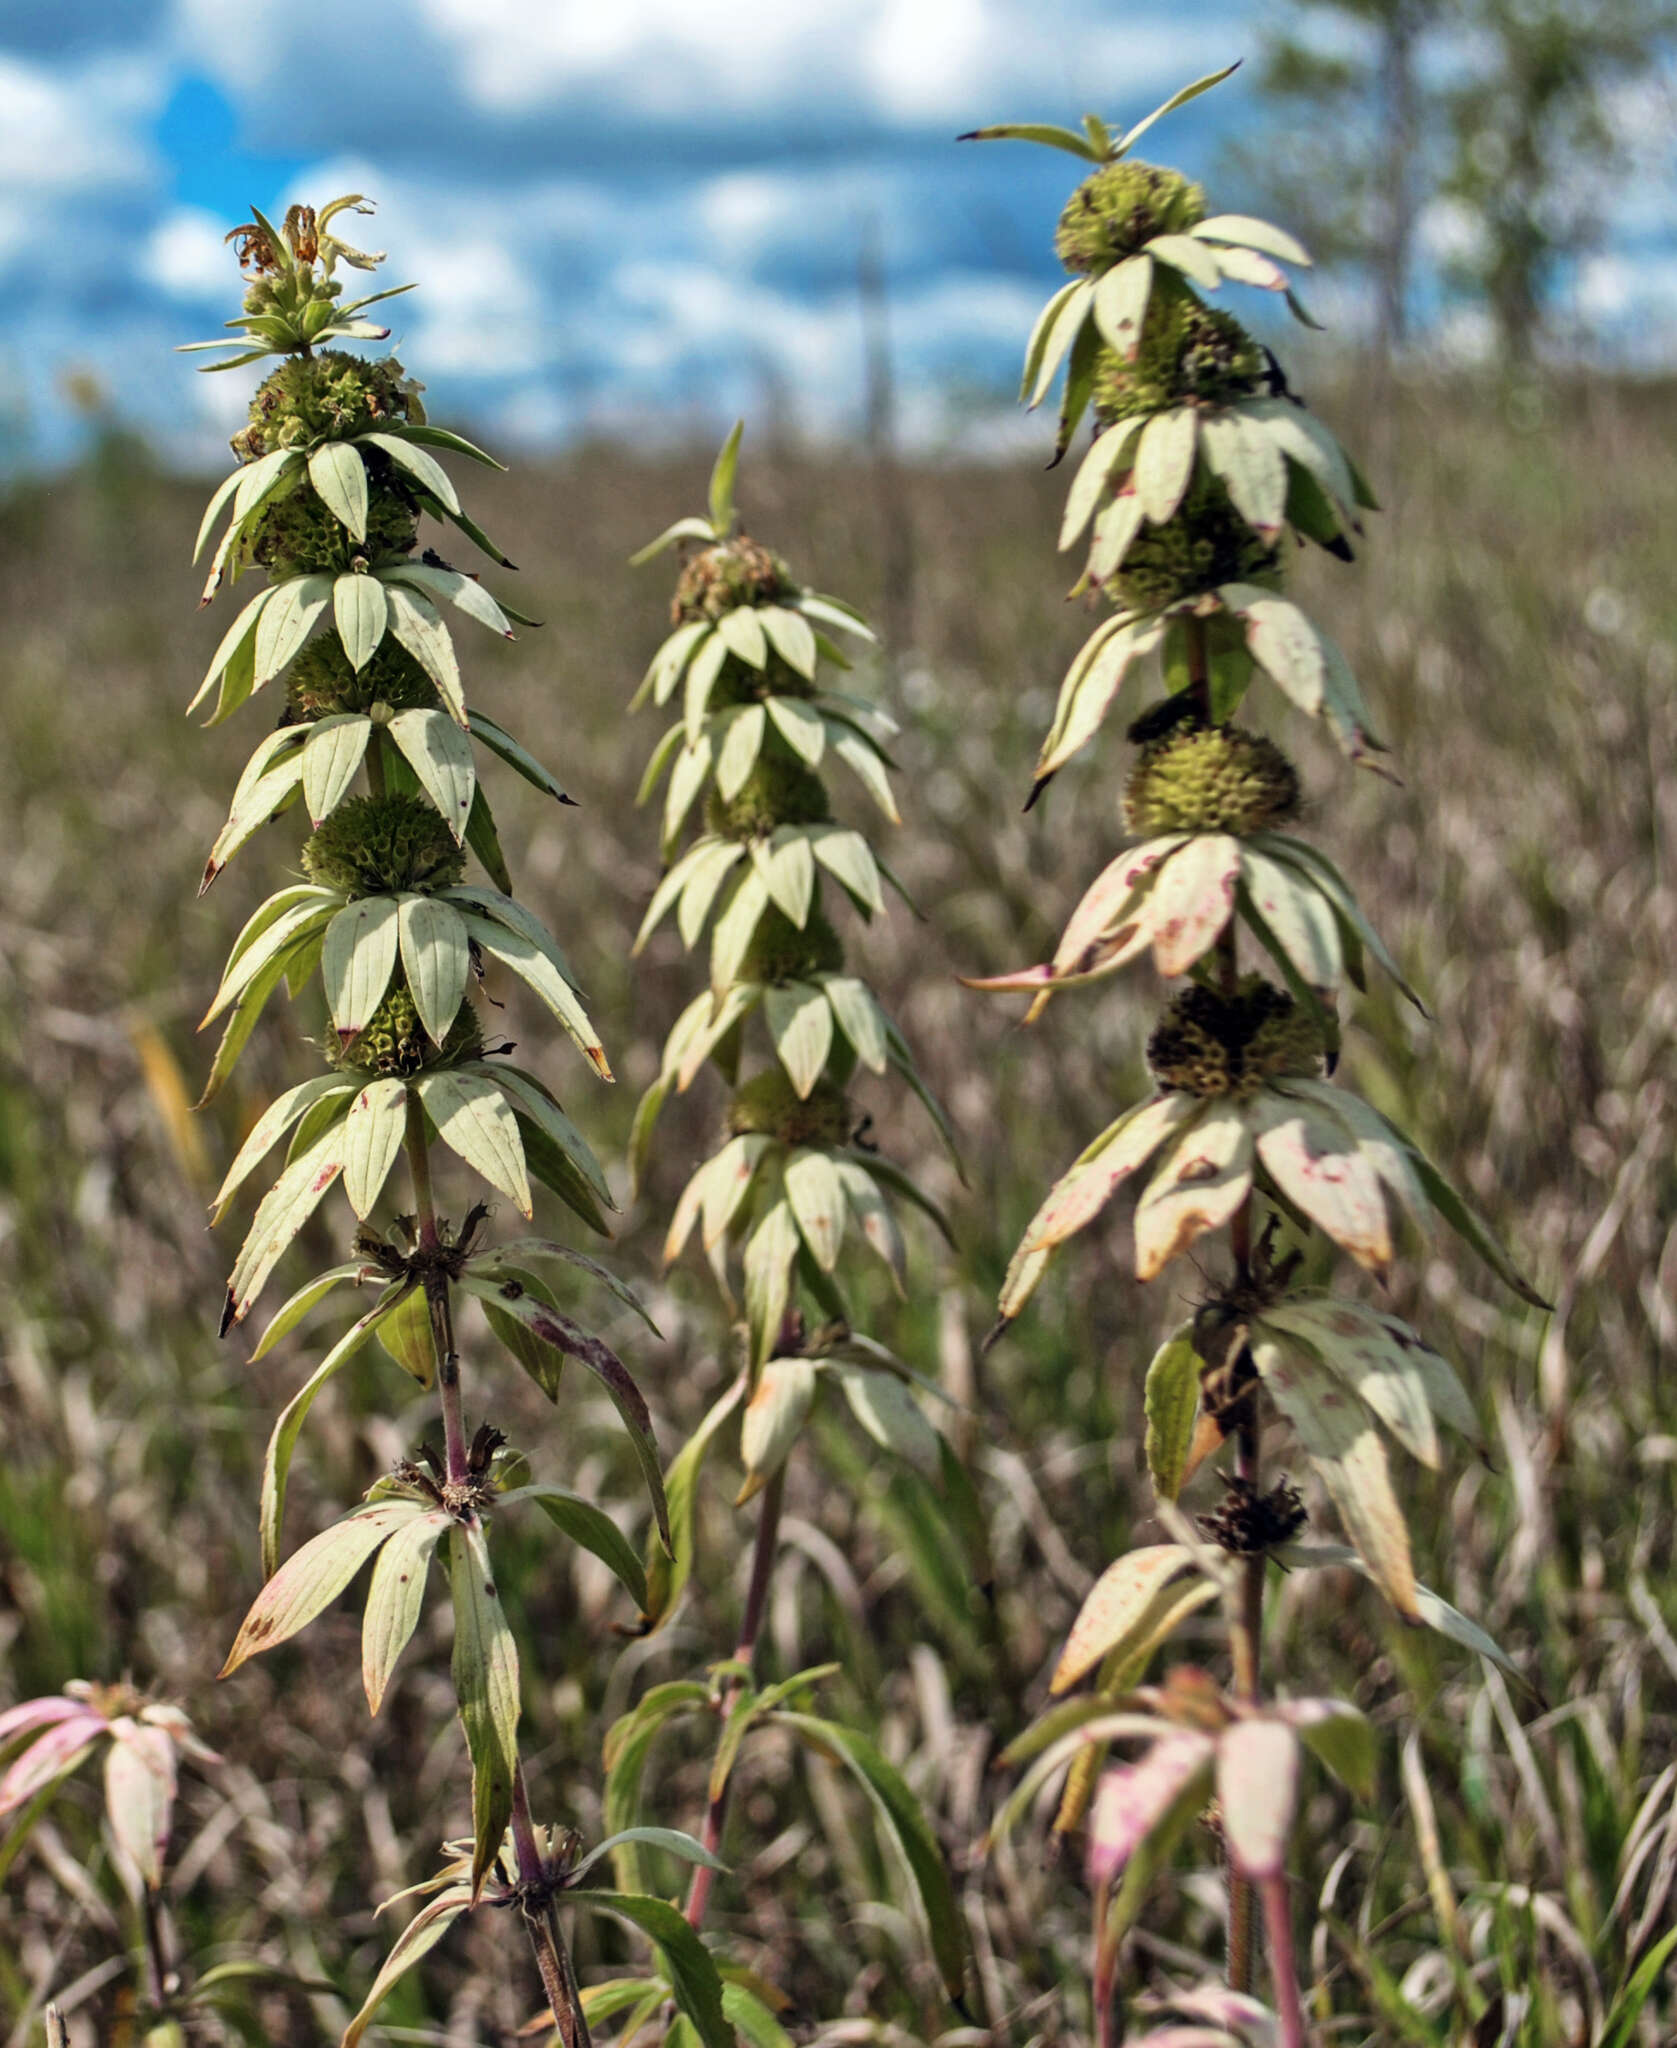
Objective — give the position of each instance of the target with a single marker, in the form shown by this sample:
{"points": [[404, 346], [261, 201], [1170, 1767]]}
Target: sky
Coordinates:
{"points": [[622, 215]]}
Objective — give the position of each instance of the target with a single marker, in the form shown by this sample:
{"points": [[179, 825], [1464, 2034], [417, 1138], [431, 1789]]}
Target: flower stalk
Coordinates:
{"points": [[1202, 463]]}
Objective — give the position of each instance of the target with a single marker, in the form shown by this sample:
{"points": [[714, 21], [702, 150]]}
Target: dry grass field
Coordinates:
{"points": [[1514, 621]]}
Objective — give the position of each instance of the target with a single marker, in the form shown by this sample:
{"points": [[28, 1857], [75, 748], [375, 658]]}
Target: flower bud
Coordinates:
{"points": [[1189, 353]]}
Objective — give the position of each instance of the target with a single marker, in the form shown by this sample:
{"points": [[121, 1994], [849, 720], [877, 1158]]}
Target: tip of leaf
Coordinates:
{"points": [[994, 1335], [229, 1316], [1037, 788]]}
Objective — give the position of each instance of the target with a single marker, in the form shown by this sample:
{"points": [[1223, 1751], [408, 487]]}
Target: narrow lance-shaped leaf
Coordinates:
{"points": [[485, 1669]]}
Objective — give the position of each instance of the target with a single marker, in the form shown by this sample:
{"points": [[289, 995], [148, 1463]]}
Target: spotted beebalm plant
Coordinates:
{"points": [[795, 1187], [377, 744], [1203, 469]]}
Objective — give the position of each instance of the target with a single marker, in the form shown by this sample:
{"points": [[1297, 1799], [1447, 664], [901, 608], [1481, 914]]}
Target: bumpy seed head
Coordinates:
{"points": [[1189, 352], [780, 790], [1207, 543], [780, 952], [722, 578], [300, 535], [320, 681], [768, 1103], [375, 845], [327, 396], [1122, 206], [1212, 778], [394, 1041], [1211, 1044]]}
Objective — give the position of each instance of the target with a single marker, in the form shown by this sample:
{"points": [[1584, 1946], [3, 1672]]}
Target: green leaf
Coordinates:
{"points": [[770, 1253], [683, 529], [408, 1339], [436, 960], [721, 497], [1120, 309], [1619, 2027], [588, 1526], [778, 1408], [339, 477], [523, 763], [535, 1105], [1171, 1402], [1063, 334], [416, 1940], [358, 960], [793, 640], [276, 1464], [331, 760], [309, 1295], [889, 1413], [287, 622], [395, 1599], [671, 1839], [417, 625], [668, 1571], [312, 1579], [1181, 99], [485, 1671], [1242, 229], [286, 1207], [441, 437], [1432, 1610], [1344, 1445], [451, 586], [741, 633], [269, 1128], [912, 1832], [692, 1974], [372, 1137], [475, 1120], [1045, 132], [361, 611], [440, 754], [425, 469], [535, 968], [236, 640], [541, 1248]]}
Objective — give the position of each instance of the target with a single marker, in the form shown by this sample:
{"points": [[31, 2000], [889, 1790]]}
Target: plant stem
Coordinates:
{"points": [[745, 1652], [1246, 1637], [1278, 1926], [1108, 2022], [541, 1923], [157, 1950], [437, 1299]]}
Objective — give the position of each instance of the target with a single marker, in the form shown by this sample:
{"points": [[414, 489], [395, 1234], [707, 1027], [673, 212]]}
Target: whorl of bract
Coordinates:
{"points": [[722, 578], [769, 1106], [300, 535], [1190, 353], [780, 790], [1203, 545], [320, 682], [329, 396]]}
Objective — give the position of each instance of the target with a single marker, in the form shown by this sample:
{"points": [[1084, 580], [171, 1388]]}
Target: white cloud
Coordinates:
{"points": [[65, 130], [186, 253]]}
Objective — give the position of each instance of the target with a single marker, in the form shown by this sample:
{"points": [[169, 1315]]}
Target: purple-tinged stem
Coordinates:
{"points": [[1278, 1926]]}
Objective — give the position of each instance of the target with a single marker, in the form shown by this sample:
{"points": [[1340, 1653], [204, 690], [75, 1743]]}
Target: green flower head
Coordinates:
{"points": [[326, 397], [1205, 544], [320, 681], [377, 845], [393, 1041], [780, 952], [1189, 353], [301, 535], [1121, 207], [1213, 778]]}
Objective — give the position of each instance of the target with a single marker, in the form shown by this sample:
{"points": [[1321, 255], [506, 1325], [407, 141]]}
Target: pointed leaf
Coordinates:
{"points": [[1171, 1404], [372, 1137], [417, 625], [436, 959], [817, 1198], [287, 621], [416, 1940], [687, 1962], [428, 472], [1164, 461], [140, 1795], [1133, 1801], [440, 754], [310, 1580], [396, 1598], [475, 1120], [1204, 1178], [339, 478], [801, 1025], [773, 1417], [1121, 299], [485, 1672], [588, 1526], [358, 960], [332, 757]]}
